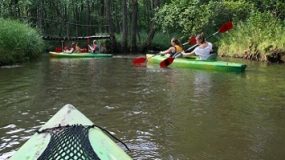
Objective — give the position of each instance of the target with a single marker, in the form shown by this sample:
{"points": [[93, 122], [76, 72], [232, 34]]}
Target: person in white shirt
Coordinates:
{"points": [[204, 49], [94, 47]]}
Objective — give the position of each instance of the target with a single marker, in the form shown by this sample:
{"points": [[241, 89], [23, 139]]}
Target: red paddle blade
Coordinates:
{"points": [[139, 60], [166, 62], [192, 40], [225, 27]]}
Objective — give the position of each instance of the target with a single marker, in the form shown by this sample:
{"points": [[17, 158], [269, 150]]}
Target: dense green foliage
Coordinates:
{"points": [[258, 24], [18, 42], [67, 18], [57, 17], [139, 24], [191, 17], [160, 41], [260, 36]]}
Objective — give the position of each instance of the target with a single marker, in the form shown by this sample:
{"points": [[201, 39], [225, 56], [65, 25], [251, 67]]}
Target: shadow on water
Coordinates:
{"points": [[158, 113]]}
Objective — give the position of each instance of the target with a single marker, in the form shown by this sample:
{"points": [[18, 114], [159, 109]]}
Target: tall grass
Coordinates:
{"points": [[257, 38], [18, 42]]}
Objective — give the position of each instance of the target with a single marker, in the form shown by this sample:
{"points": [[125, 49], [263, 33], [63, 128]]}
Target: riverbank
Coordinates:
{"points": [[260, 38], [274, 56]]}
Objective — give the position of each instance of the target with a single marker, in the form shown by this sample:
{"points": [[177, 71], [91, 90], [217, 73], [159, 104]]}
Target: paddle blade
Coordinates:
{"points": [[225, 27], [192, 40], [139, 60], [166, 62]]}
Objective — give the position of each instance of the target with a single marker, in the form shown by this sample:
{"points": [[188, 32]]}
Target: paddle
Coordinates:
{"points": [[141, 60], [225, 27], [191, 41]]}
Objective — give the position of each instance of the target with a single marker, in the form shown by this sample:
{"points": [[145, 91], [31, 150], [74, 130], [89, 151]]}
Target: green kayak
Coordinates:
{"points": [[198, 64], [78, 55], [70, 135]]}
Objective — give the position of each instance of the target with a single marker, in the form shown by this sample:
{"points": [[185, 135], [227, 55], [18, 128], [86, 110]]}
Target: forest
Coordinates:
{"points": [[136, 26]]}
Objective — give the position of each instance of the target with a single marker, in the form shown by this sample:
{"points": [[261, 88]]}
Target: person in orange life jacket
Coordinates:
{"points": [[94, 47], [175, 47], [204, 49]]}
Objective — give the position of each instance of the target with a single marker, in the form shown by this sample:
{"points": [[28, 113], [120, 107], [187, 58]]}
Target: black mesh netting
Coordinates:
{"points": [[69, 143]]}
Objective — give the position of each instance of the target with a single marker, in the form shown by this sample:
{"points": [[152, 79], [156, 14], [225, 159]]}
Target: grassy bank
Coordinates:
{"points": [[260, 38], [18, 42]]}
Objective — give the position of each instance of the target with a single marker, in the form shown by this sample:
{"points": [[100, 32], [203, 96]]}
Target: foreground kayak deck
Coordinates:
{"points": [[198, 64], [101, 144], [78, 55]]}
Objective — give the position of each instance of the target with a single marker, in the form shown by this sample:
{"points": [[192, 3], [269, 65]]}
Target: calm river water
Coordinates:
{"points": [[159, 113]]}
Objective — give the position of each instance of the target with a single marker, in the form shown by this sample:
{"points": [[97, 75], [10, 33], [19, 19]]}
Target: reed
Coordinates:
{"points": [[18, 42], [258, 38]]}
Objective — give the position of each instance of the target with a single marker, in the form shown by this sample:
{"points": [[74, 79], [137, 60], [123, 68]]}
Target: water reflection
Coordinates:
{"points": [[158, 113], [202, 85], [14, 136]]}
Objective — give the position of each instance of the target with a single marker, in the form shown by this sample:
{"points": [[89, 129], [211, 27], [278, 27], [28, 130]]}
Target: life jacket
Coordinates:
{"points": [[178, 48]]}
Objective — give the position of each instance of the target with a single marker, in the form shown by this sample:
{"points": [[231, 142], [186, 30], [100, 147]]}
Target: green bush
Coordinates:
{"points": [[256, 38], [18, 42], [192, 17]]}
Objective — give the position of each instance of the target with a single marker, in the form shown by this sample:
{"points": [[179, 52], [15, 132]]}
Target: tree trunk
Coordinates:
{"points": [[110, 24], [13, 8], [88, 17], [151, 32], [124, 42], [103, 13], [76, 21], [40, 15], [149, 38], [66, 19], [134, 25], [59, 13]]}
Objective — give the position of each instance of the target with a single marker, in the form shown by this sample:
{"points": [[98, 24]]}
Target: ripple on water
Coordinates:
{"points": [[14, 136], [10, 126], [109, 107], [134, 113], [144, 144], [12, 66], [7, 155]]}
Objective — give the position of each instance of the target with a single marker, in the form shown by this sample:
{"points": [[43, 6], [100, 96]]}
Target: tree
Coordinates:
{"points": [[134, 25], [110, 24], [152, 27], [191, 17], [124, 41]]}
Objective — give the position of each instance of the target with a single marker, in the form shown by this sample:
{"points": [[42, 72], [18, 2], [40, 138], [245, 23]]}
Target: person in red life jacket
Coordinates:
{"points": [[94, 47], [175, 47]]}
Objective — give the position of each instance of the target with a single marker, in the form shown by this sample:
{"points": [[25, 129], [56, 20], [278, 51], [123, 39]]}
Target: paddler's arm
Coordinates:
{"points": [[168, 51], [90, 48], [188, 54]]}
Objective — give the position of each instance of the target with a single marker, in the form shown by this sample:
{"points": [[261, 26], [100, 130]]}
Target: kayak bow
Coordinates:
{"points": [[61, 138]]}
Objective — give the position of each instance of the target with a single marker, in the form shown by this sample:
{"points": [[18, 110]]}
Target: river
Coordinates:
{"points": [[159, 113]]}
